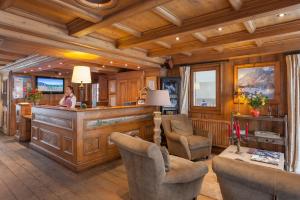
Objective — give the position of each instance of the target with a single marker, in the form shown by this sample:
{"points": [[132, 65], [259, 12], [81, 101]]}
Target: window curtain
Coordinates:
{"points": [[184, 94], [293, 98]]}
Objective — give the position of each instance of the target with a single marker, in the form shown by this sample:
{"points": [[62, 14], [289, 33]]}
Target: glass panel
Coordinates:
{"points": [[205, 88]]}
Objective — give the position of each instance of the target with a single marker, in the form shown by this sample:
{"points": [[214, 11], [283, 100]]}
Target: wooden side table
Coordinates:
{"points": [[23, 122], [229, 152]]}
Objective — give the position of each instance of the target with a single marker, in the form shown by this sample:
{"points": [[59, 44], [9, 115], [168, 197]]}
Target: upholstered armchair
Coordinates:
{"points": [[183, 140], [242, 180], [146, 172]]}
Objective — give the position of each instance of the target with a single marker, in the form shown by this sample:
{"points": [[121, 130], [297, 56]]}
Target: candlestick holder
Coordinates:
{"points": [[238, 146]]}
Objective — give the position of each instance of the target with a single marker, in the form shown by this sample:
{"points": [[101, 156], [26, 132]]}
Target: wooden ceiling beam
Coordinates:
{"points": [[77, 11], [219, 49], [10, 54], [167, 15], [116, 17], [164, 44], [250, 10], [200, 36], [236, 4], [14, 34], [189, 54], [242, 36], [127, 29], [259, 42], [273, 48], [4, 4], [250, 26], [45, 31]]}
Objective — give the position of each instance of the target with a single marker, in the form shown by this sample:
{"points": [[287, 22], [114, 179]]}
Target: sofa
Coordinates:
{"points": [[240, 180], [146, 171], [183, 140]]}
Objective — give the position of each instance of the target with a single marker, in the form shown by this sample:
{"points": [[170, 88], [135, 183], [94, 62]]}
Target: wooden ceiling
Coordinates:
{"points": [[141, 34]]}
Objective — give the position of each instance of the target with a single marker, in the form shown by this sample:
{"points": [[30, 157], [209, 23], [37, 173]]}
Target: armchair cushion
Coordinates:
{"points": [[184, 171], [182, 127], [196, 141], [166, 156]]}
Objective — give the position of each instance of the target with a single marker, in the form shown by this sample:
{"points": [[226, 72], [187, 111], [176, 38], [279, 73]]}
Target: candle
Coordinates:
{"points": [[247, 129]]}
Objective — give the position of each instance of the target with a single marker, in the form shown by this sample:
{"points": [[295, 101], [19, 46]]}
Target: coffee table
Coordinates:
{"points": [[229, 152]]}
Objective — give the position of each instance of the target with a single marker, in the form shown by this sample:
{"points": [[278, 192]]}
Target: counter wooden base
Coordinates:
{"points": [[80, 139]]}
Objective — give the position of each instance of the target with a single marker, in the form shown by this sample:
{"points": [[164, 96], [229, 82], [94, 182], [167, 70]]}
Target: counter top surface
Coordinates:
{"points": [[87, 109]]}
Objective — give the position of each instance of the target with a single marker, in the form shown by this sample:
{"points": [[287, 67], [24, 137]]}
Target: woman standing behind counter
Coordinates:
{"points": [[69, 99]]}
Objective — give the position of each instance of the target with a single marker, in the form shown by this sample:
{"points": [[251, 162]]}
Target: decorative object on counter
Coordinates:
{"points": [[240, 97], [34, 95], [82, 75], [256, 101], [158, 98], [143, 95], [172, 84], [83, 106]]}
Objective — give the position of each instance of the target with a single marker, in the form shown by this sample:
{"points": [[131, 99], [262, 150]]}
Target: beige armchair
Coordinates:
{"points": [[146, 173], [242, 180], [183, 141]]}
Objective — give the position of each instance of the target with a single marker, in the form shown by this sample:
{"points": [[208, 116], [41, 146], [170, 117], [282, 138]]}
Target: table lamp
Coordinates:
{"points": [[157, 98], [81, 74]]}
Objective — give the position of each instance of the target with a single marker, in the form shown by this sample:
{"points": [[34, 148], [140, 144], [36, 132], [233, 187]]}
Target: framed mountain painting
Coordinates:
{"points": [[261, 78]]}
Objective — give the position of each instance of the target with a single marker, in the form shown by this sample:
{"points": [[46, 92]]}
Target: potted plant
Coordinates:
{"points": [[256, 101], [34, 96]]}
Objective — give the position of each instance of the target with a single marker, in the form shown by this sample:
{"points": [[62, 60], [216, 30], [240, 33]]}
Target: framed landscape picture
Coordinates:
{"points": [[261, 78]]}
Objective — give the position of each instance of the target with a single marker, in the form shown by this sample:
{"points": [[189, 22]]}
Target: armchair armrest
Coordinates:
{"points": [[180, 139], [184, 171]]}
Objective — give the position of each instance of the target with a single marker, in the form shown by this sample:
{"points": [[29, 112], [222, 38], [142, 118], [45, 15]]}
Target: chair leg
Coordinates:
{"points": [[195, 198]]}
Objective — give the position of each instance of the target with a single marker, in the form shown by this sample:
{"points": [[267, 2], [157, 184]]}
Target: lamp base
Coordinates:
{"points": [[156, 130]]}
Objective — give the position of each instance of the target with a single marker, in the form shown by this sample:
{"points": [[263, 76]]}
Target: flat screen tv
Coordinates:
{"points": [[49, 85]]}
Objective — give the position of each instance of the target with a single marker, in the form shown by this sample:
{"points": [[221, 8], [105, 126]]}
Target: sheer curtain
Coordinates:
{"points": [[184, 94], [293, 93]]}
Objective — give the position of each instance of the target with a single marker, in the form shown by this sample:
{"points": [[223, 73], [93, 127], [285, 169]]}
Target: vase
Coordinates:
{"points": [[255, 113]]}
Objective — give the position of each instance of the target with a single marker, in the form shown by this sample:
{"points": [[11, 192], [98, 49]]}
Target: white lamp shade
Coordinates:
{"points": [[158, 98], [81, 74]]}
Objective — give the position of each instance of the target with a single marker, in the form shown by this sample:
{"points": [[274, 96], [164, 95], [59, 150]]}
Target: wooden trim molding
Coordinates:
{"points": [[206, 67]]}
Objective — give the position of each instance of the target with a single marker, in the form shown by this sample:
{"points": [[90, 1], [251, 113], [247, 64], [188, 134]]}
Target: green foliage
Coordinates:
{"points": [[257, 100], [33, 95]]}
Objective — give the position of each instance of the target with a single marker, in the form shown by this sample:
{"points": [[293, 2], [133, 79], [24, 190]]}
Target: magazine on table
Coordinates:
{"points": [[264, 156]]}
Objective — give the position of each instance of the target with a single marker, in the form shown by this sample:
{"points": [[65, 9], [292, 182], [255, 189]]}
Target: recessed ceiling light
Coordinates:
{"points": [[111, 62], [281, 15], [61, 63], [220, 29], [177, 38], [31, 70], [59, 73], [126, 65], [25, 72], [49, 66], [40, 68], [103, 66], [138, 67]]}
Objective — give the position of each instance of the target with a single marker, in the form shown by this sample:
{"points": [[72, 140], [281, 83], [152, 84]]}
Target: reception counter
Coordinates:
{"points": [[80, 138]]}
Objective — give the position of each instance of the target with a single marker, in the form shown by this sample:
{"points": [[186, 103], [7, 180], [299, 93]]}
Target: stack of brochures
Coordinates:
{"points": [[264, 156]]}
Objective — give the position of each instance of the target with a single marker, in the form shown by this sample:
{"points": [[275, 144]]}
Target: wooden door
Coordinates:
{"points": [[134, 86], [103, 83], [122, 92]]}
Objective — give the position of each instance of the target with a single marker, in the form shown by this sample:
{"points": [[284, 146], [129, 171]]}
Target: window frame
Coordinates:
{"points": [[203, 109]]}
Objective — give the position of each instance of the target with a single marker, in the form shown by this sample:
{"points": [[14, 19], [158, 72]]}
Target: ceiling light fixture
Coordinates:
{"points": [[40, 68], [138, 67], [61, 63], [99, 4], [111, 62], [31, 70], [220, 29], [126, 65], [281, 15], [103, 66], [177, 38], [49, 66]]}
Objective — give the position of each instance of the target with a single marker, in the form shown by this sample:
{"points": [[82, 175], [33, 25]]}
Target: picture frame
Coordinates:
{"points": [[247, 78], [151, 82]]}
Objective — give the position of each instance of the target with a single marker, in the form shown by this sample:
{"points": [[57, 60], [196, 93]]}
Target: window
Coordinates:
{"points": [[205, 87]]}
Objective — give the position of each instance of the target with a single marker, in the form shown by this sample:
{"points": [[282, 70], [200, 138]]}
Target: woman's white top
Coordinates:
{"points": [[66, 101]]}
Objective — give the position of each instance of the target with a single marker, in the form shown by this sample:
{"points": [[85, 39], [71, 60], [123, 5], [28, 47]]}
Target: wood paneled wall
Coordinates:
{"points": [[227, 87]]}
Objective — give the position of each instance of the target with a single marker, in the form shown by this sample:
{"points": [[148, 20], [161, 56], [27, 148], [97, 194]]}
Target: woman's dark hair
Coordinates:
{"points": [[71, 88]]}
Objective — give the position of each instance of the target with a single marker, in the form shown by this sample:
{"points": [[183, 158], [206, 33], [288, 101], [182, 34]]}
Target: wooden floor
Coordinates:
{"points": [[27, 175]]}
